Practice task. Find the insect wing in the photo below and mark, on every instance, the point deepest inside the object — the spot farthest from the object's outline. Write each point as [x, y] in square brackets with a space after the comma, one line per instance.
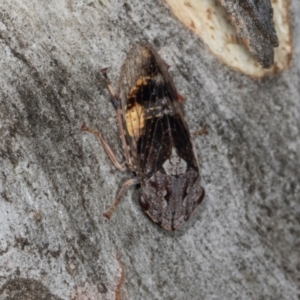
[153, 116]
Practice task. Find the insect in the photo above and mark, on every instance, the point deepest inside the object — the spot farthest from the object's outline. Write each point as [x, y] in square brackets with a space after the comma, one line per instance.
[253, 20]
[156, 140]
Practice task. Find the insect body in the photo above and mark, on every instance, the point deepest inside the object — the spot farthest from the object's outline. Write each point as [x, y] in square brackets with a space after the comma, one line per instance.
[156, 140]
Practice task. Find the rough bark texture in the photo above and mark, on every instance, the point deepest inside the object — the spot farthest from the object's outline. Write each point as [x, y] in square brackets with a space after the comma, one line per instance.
[56, 182]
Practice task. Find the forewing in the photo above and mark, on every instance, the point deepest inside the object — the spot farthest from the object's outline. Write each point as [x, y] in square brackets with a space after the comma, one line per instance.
[153, 116]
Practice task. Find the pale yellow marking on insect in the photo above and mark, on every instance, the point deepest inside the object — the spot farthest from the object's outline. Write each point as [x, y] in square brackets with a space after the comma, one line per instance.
[142, 81]
[175, 165]
[135, 120]
[146, 53]
[135, 116]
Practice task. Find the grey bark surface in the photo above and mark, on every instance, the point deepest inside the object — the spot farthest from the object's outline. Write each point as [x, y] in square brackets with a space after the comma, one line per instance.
[56, 181]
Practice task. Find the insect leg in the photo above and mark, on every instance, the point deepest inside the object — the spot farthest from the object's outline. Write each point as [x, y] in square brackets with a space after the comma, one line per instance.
[116, 102]
[122, 279]
[120, 195]
[199, 132]
[120, 166]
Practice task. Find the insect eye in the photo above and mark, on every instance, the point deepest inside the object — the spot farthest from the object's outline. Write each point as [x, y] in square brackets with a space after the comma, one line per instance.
[143, 203]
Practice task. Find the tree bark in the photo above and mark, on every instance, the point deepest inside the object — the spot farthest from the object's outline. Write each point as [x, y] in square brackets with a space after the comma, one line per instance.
[56, 181]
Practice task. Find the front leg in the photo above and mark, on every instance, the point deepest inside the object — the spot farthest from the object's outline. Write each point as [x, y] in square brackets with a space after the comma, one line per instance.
[199, 132]
[120, 195]
[120, 166]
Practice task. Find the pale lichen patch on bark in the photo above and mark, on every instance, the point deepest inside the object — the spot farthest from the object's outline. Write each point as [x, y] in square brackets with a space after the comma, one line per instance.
[210, 20]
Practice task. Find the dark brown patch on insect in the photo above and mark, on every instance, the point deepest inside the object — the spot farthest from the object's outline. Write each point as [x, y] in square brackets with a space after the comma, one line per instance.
[156, 140]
